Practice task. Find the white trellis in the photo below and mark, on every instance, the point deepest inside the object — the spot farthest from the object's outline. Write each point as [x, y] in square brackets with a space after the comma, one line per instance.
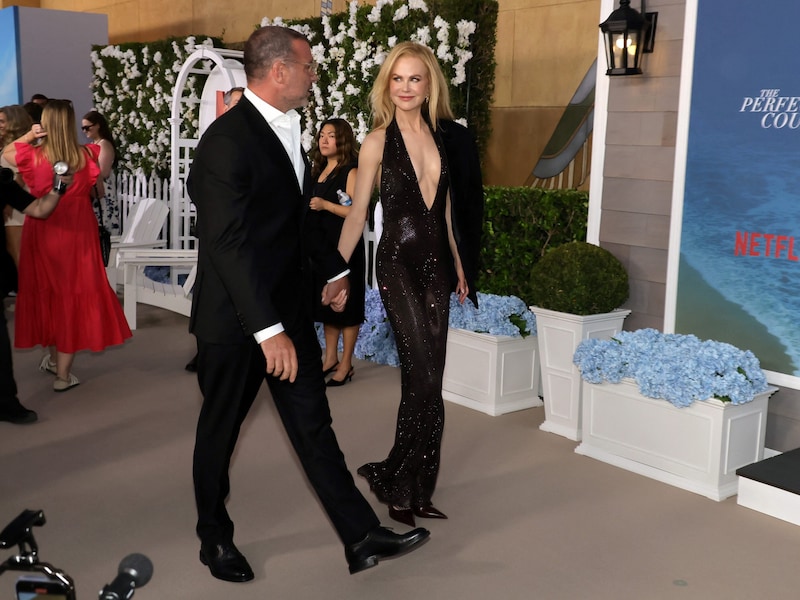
[226, 72]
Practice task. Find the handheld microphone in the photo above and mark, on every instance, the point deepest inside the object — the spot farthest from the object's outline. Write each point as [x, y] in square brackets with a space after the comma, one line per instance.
[135, 570]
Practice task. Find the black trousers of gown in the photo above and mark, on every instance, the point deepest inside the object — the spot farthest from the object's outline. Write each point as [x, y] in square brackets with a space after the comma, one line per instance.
[418, 306]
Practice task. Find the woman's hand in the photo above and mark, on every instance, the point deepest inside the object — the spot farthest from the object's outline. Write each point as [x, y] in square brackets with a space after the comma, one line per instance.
[38, 132]
[318, 203]
[462, 289]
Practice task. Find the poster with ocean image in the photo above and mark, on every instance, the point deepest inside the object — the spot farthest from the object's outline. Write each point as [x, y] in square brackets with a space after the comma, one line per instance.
[739, 272]
[9, 74]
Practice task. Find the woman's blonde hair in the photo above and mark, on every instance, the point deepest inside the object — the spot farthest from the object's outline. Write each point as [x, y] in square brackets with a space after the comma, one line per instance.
[438, 104]
[61, 142]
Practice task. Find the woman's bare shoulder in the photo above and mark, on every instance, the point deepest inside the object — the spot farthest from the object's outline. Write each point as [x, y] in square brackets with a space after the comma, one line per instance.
[373, 144]
[374, 137]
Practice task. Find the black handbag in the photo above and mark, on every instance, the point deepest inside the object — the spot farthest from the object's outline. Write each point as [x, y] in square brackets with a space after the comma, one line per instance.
[104, 234]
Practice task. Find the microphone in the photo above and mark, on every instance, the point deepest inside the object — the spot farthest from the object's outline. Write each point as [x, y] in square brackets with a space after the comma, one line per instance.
[135, 570]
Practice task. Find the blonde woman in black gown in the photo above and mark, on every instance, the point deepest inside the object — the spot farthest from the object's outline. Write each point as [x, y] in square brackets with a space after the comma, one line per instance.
[418, 263]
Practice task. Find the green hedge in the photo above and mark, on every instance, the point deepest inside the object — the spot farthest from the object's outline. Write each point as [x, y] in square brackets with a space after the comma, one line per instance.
[520, 225]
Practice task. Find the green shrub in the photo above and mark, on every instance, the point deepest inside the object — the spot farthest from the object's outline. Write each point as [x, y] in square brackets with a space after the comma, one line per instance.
[579, 278]
[520, 225]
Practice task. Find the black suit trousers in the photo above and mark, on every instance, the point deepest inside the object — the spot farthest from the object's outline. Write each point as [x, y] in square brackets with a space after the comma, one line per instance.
[230, 376]
[8, 387]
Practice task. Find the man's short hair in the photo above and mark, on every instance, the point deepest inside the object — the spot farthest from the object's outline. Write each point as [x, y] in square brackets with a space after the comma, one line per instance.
[266, 45]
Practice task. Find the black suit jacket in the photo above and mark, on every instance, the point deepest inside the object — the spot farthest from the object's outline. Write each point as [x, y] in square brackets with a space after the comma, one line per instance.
[466, 197]
[13, 195]
[250, 223]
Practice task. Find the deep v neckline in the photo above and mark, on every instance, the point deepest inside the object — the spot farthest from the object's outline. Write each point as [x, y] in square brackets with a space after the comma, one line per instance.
[414, 172]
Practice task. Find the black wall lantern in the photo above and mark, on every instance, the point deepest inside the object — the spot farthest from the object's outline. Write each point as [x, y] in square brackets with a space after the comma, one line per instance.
[627, 35]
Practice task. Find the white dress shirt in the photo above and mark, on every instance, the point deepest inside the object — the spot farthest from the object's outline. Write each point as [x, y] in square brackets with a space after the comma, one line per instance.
[287, 127]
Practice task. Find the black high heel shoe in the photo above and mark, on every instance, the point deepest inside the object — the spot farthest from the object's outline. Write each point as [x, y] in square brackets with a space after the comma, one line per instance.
[330, 370]
[402, 515]
[429, 512]
[336, 383]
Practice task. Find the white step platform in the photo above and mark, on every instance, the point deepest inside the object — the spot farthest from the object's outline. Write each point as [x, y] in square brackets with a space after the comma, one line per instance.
[772, 486]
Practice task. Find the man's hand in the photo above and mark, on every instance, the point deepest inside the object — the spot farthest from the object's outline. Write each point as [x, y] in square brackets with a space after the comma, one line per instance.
[335, 293]
[281, 357]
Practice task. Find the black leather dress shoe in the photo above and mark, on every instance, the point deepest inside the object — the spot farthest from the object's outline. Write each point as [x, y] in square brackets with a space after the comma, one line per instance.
[14, 412]
[429, 512]
[382, 543]
[225, 562]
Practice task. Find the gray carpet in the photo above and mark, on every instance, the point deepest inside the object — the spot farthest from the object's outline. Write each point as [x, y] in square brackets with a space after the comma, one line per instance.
[110, 464]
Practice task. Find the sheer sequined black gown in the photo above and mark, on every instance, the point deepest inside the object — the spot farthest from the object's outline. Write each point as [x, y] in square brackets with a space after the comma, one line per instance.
[413, 275]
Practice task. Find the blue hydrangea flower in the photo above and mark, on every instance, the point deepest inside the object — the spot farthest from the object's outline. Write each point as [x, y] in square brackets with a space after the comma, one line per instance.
[676, 367]
[376, 340]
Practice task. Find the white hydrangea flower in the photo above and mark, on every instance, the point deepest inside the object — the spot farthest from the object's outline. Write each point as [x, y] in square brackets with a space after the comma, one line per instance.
[422, 35]
[307, 139]
[318, 53]
[465, 31]
[418, 5]
[401, 13]
[374, 15]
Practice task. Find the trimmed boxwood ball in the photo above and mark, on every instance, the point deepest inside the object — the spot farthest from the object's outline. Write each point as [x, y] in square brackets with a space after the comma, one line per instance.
[579, 278]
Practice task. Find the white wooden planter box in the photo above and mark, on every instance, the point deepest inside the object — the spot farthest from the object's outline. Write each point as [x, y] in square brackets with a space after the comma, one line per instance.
[697, 448]
[559, 336]
[490, 373]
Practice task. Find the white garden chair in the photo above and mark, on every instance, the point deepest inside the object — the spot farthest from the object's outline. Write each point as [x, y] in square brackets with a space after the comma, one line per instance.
[139, 289]
[142, 229]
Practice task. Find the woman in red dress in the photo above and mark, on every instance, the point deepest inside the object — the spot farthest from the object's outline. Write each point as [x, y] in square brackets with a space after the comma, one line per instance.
[64, 302]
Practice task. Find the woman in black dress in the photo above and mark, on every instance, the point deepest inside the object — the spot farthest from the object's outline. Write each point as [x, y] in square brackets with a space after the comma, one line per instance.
[418, 262]
[334, 160]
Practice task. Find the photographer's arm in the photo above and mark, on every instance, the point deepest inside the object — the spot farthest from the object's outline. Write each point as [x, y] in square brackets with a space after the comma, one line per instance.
[41, 208]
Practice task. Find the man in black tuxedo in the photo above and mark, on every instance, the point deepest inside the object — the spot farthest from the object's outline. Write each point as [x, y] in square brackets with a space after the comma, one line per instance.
[250, 310]
[12, 194]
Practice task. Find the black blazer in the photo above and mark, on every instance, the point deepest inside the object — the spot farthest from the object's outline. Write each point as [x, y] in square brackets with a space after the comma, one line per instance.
[466, 197]
[13, 195]
[250, 223]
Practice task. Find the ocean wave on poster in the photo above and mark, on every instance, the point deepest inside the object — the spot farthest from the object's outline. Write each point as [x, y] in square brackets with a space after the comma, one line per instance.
[763, 287]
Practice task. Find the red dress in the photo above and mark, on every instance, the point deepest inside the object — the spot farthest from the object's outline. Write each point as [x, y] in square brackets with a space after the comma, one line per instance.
[64, 298]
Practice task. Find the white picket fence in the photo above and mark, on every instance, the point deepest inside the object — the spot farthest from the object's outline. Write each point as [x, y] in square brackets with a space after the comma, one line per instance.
[132, 188]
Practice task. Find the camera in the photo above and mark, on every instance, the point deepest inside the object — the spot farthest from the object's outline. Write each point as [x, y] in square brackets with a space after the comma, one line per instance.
[40, 587]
